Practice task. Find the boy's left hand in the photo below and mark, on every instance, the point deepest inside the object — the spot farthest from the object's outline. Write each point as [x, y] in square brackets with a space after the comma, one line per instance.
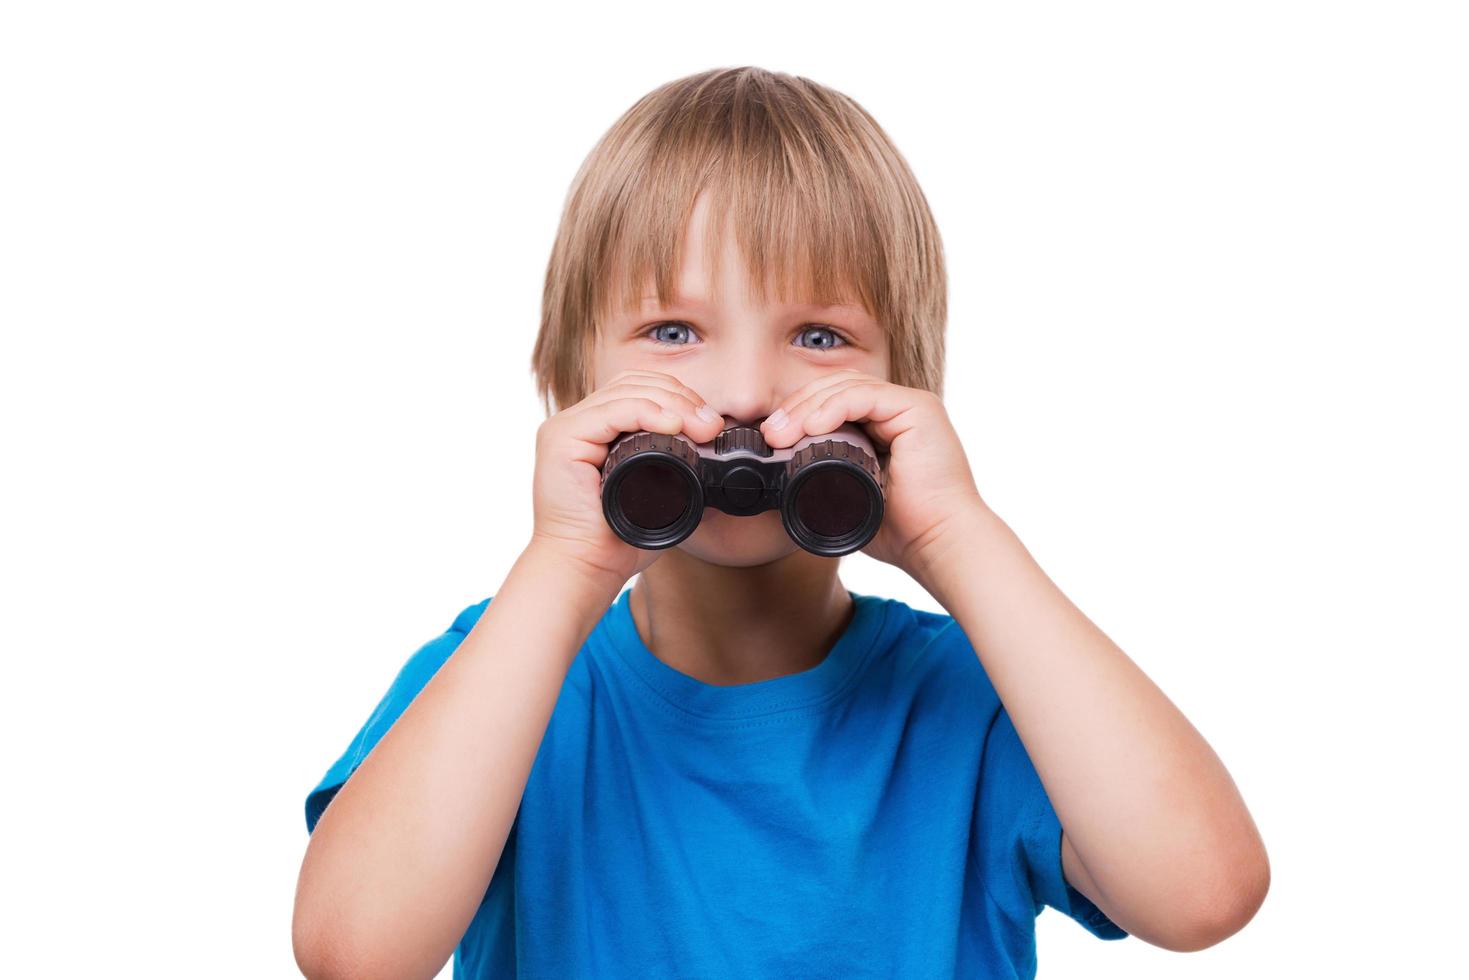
[929, 489]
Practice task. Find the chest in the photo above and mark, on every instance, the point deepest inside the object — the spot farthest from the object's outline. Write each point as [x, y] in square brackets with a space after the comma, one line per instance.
[822, 809]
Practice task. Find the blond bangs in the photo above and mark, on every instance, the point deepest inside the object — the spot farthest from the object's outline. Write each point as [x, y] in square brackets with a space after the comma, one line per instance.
[824, 210]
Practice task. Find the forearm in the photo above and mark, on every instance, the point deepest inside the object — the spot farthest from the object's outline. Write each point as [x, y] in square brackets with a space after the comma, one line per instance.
[401, 858]
[1152, 813]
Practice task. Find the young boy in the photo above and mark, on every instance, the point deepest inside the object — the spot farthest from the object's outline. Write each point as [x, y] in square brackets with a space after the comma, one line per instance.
[737, 767]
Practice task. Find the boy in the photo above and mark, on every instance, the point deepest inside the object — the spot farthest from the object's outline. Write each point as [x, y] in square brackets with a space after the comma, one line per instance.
[737, 767]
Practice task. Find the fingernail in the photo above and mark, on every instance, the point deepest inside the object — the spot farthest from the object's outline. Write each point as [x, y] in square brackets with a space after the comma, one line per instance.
[708, 414]
[778, 420]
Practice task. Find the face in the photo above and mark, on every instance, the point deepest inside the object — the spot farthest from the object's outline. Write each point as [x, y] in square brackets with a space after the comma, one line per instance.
[742, 358]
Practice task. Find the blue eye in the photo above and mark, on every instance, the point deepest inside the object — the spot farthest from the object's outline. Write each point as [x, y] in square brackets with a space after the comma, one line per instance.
[674, 326]
[674, 333]
[832, 338]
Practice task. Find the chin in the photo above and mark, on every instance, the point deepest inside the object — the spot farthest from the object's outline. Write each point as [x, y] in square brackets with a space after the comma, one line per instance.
[721, 539]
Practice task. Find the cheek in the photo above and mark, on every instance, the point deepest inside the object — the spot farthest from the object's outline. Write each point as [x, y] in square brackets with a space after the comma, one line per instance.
[608, 362]
[880, 365]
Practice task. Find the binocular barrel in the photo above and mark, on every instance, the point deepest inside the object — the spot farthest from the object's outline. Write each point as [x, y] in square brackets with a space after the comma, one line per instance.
[828, 488]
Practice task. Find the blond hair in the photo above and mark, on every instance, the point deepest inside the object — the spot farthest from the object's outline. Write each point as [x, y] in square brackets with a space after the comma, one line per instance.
[819, 194]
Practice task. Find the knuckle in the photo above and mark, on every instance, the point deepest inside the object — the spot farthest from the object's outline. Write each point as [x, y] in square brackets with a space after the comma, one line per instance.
[548, 432]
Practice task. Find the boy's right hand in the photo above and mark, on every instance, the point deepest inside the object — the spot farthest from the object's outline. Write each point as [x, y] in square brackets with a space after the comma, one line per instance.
[571, 447]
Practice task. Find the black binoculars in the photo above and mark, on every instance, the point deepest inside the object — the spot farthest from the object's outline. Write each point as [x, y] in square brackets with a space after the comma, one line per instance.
[828, 488]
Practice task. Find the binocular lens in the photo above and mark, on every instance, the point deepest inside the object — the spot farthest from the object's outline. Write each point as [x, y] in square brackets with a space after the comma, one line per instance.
[653, 495]
[833, 501]
[656, 486]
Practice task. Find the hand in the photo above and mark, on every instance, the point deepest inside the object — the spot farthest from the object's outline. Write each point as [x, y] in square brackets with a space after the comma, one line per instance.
[571, 447]
[928, 484]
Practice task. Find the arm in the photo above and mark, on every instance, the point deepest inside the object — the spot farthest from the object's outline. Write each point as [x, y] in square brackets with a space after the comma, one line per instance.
[400, 860]
[1155, 831]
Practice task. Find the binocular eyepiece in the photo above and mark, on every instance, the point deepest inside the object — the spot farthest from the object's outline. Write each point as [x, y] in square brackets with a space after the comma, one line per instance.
[828, 488]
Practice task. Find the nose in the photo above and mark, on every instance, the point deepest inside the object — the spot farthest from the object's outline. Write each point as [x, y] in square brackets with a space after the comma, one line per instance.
[752, 421]
[745, 389]
[741, 412]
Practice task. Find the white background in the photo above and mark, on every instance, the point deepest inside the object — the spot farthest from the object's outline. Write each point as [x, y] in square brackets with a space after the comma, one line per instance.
[270, 276]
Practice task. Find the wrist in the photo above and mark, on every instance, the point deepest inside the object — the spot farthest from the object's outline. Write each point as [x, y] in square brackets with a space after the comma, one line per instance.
[953, 547]
[545, 588]
[570, 570]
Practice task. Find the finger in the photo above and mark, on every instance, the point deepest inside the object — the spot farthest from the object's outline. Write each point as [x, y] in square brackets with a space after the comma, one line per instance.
[817, 383]
[644, 388]
[658, 377]
[704, 427]
[593, 430]
[805, 406]
[789, 430]
[885, 411]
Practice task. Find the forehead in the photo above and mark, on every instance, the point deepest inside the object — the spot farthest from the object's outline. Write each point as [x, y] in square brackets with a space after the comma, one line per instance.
[712, 270]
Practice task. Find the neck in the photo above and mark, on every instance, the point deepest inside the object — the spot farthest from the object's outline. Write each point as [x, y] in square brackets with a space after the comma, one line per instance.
[728, 625]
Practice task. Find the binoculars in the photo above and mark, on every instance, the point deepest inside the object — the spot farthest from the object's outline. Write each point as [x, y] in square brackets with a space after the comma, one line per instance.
[828, 488]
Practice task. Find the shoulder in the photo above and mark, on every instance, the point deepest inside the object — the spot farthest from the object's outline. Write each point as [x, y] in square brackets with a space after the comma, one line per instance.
[411, 678]
[464, 622]
[929, 638]
[932, 650]
[424, 662]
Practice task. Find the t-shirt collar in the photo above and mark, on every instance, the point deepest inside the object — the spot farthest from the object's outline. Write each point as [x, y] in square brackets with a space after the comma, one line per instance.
[777, 695]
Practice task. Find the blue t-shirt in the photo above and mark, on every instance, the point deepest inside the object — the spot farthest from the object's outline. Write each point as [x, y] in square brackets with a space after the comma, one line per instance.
[874, 816]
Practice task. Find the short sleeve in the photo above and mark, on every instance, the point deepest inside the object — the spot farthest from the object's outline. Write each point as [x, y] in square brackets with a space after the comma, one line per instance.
[1026, 833]
[420, 668]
